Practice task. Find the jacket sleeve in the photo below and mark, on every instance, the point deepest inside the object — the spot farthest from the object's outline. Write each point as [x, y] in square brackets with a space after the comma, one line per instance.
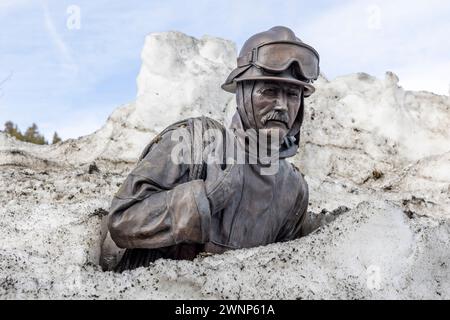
[156, 206]
[294, 226]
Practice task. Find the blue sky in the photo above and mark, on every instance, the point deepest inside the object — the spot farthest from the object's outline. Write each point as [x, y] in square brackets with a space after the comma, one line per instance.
[70, 80]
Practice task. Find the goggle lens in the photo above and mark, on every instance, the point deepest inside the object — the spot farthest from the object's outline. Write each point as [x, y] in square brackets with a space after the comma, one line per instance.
[279, 56]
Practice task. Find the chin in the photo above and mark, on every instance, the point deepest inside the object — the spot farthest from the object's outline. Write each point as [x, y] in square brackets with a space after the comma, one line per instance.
[272, 125]
[276, 127]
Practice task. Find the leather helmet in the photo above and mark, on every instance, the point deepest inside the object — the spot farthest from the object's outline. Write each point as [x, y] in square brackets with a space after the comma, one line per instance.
[277, 55]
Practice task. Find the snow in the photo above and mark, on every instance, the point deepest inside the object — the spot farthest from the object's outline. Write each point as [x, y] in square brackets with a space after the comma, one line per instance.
[367, 145]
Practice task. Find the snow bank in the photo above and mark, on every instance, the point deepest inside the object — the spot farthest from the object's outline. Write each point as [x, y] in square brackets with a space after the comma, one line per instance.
[374, 155]
[50, 234]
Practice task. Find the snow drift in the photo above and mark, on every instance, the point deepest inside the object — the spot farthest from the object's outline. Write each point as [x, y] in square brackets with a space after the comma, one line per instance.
[376, 158]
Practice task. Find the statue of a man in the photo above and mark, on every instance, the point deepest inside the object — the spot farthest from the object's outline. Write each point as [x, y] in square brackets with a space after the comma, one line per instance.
[176, 210]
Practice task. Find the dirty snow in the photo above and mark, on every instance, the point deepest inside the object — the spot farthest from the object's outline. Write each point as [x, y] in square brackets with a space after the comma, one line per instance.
[376, 158]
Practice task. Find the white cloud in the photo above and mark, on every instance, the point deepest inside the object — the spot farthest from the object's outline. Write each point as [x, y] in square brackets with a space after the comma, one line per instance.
[434, 77]
[61, 46]
[412, 41]
[75, 123]
[75, 127]
[7, 5]
[54, 67]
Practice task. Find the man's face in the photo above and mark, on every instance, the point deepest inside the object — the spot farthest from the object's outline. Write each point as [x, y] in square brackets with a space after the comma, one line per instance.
[276, 105]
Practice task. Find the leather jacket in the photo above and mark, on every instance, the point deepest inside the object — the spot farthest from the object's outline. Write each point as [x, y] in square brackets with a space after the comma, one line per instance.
[162, 209]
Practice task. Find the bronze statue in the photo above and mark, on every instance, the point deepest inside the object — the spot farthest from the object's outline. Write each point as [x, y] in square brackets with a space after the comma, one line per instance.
[178, 210]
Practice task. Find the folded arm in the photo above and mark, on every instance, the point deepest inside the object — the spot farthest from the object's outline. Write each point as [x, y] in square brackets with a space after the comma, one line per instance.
[156, 205]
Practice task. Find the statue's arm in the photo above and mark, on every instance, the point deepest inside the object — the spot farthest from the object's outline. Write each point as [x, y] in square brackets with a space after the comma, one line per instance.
[154, 208]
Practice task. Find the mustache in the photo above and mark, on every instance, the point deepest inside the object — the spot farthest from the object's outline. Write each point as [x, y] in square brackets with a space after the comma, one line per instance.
[281, 116]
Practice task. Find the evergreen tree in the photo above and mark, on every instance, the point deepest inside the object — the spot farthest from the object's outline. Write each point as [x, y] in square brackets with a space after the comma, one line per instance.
[56, 138]
[13, 130]
[32, 135]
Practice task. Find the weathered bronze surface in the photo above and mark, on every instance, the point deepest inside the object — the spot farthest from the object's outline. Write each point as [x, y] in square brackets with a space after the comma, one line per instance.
[175, 211]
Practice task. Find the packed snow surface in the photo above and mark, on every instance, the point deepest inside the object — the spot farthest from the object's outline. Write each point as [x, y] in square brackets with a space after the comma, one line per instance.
[376, 158]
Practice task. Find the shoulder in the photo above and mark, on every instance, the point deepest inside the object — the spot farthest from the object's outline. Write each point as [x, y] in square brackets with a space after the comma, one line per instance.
[185, 128]
[292, 175]
[160, 163]
[164, 138]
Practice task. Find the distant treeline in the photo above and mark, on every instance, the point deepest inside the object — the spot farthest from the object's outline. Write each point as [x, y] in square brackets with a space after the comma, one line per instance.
[31, 135]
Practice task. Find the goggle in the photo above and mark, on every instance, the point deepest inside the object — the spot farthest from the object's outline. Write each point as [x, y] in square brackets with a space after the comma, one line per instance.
[279, 55]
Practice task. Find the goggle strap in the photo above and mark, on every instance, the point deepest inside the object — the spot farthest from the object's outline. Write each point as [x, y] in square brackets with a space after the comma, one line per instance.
[248, 59]
[254, 55]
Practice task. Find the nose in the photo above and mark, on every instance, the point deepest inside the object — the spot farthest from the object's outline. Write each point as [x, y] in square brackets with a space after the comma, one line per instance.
[281, 103]
[281, 106]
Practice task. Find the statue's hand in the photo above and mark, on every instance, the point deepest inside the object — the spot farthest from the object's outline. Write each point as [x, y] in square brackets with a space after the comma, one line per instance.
[221, 184]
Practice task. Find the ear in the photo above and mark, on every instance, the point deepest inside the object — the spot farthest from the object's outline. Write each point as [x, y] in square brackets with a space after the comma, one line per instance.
[295, 130]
